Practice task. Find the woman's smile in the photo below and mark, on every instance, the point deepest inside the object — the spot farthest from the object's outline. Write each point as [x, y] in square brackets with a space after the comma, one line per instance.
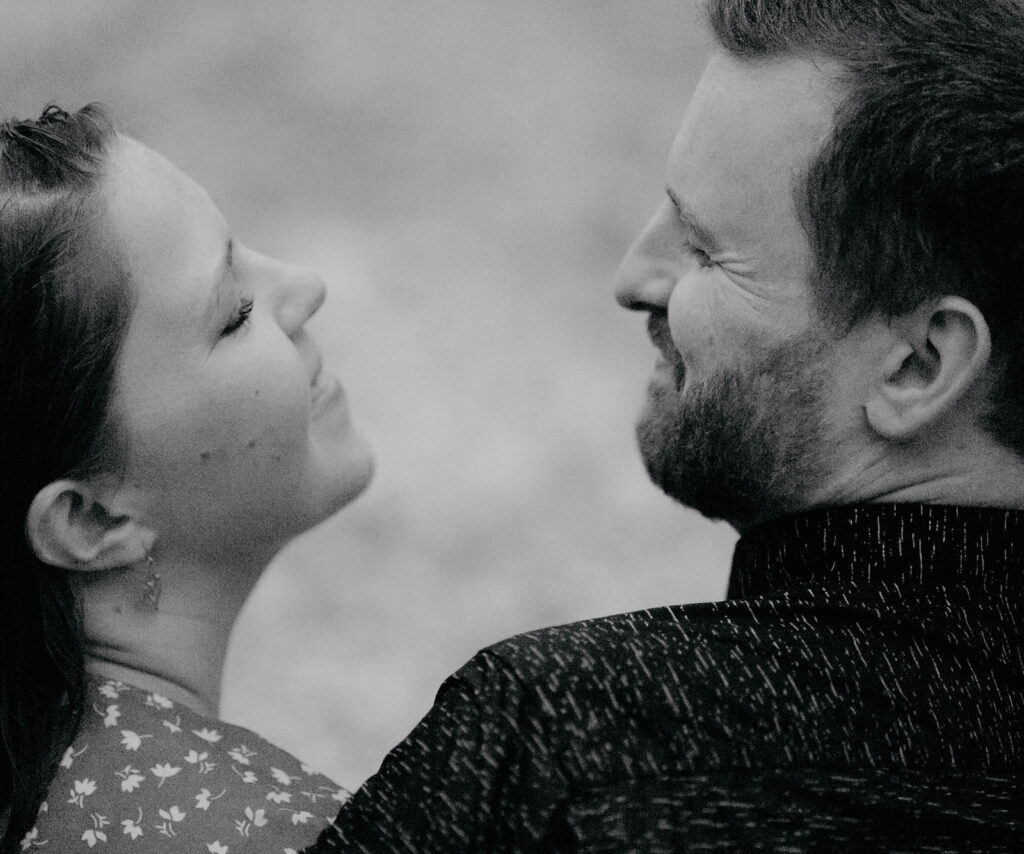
[327, 394]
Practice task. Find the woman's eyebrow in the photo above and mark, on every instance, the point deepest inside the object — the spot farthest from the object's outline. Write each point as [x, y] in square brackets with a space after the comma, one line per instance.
[223, 272]
[703, 234]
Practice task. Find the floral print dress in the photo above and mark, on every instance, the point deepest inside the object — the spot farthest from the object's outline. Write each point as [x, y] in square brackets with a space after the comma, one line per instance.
[147, 774]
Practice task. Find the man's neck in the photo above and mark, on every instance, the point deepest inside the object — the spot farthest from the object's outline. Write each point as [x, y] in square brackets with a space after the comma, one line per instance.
[976, 473]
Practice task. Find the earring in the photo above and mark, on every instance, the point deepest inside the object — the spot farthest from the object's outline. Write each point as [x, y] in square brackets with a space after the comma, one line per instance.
[150, 599]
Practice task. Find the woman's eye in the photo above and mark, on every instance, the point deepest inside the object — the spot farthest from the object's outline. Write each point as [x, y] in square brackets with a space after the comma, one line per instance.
[240, 319]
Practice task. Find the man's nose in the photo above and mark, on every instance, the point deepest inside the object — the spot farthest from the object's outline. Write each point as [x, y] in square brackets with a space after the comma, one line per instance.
[650, 269]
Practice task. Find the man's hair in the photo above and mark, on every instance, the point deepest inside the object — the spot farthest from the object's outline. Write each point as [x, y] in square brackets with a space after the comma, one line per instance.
[919, 191]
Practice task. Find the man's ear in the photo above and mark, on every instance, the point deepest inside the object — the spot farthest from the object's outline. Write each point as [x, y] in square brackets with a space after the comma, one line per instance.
[75, 525]
[939, 353]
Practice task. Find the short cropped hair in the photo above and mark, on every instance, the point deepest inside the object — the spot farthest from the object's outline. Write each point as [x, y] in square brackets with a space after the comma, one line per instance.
[919, 190]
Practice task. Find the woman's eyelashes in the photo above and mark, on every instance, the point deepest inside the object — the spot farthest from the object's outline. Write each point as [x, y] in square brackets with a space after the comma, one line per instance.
[241, 317]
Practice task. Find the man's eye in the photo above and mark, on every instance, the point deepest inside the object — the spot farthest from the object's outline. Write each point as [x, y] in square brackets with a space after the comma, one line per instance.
[240, 319]
[699, 255]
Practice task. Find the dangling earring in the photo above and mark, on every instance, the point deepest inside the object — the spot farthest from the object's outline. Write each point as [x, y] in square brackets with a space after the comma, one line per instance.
[150, 599]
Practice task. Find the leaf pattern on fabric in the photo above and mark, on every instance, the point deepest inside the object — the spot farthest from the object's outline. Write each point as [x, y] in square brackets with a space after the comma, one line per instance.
[148, 774]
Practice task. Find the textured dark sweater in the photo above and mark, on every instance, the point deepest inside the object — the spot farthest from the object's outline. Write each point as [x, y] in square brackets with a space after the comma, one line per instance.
[862, 688]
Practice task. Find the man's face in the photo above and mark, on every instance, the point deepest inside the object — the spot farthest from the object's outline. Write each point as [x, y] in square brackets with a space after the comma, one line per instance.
[736, 421]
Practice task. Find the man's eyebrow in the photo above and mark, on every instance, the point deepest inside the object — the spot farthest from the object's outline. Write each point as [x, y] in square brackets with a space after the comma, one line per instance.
[700, 231]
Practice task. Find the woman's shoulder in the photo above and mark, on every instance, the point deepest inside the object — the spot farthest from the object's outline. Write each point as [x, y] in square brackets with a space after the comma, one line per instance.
[147, 774]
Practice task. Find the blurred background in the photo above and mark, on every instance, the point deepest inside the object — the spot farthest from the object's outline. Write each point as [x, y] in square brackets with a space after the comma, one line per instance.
[465, 174]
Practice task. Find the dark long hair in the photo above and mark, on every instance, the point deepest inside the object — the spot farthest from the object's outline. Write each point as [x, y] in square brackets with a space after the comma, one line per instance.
[64, 309]
[919, 191]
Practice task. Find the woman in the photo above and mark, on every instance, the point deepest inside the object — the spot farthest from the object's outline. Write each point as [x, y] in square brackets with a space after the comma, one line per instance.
[168, 426]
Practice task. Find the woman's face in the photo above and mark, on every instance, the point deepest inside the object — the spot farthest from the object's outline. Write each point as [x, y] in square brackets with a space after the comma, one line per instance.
[237, 436]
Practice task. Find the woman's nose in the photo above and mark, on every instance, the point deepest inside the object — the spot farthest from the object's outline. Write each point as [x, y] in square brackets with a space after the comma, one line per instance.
[650, 268]
[300, 294]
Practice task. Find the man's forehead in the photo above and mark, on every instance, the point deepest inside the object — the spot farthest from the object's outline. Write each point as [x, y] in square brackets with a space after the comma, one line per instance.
[749, 130]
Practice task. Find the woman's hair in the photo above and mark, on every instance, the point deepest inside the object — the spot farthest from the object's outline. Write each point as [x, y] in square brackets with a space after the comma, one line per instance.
[64, 310]
[919, 190]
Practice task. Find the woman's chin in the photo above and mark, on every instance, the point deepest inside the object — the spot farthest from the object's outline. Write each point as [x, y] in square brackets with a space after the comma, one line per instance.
[342, 494]
[356, 473]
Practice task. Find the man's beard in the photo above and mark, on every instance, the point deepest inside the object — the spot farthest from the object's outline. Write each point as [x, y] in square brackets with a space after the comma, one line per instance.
[746, 444]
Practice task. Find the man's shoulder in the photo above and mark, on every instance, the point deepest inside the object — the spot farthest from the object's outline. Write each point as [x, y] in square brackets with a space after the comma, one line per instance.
[683, 688]
[640, 694]
[629, 641]
[659, 669]
[586, 643]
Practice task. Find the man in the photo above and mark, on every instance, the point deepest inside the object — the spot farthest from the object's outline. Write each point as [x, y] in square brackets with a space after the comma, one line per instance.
[836, 285]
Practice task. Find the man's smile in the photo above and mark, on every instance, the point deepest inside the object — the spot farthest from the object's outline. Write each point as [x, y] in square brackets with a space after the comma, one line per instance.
[661, 337]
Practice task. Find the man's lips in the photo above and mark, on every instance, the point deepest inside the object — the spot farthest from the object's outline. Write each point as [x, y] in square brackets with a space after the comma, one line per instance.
[657, 329]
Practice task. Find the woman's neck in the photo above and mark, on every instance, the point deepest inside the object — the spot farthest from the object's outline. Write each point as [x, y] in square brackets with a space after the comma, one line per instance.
[203, 699]
[168, 635]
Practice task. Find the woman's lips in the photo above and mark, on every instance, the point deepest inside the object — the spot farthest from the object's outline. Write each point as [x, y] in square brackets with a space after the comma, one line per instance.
[324, 393]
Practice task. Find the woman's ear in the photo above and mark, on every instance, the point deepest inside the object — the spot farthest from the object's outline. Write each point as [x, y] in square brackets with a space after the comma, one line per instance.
[939, 354]
[73, 524]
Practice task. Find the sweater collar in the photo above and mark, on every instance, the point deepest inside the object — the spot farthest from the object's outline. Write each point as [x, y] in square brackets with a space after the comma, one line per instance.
[880, 546]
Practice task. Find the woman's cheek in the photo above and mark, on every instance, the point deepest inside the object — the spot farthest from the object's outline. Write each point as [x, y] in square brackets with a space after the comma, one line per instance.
[271, 417]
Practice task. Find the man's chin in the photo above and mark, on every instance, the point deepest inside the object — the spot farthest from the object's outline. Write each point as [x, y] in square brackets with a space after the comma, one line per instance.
[743, 445]
[689, 468]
